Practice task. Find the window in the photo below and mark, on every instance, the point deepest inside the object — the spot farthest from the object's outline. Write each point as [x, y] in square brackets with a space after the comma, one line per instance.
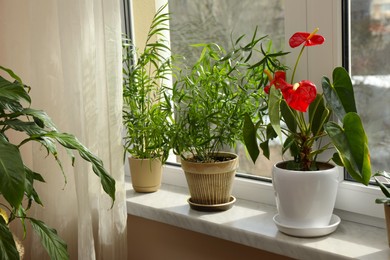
[217, 21]
[370, 68]
[305, 15]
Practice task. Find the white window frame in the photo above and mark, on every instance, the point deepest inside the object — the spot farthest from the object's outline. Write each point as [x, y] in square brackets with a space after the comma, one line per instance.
[354, 201]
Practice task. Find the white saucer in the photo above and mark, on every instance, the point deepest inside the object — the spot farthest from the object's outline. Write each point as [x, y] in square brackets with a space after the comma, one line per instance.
[308, 232]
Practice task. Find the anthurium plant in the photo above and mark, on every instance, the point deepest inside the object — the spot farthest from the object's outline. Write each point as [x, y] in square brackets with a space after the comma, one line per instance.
[308, 122]
[17, 180]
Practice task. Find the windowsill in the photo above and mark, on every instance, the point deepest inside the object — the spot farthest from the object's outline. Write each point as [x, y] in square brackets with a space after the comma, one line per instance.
[250, 223]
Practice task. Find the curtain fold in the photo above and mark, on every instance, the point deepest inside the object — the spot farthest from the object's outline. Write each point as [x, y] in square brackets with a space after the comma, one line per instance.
[69, 52]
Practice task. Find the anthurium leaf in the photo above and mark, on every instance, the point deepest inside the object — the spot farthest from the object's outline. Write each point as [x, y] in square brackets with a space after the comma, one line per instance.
[352, 146]
[265, 148]
[343, 85]
[54, 245]
[274, 110]
[12, 174]
[250, 138]
[8, 249]
[337, 160]
[288, 116]
[318, 115]
[71, 142]
[340, 94]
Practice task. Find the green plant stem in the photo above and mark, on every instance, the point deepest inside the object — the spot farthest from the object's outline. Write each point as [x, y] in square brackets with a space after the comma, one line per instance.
[296, 63]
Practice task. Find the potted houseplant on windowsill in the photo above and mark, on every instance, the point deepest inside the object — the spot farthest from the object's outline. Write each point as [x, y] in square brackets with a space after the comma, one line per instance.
[147, 111]
[17, 180]
[210, 100]
[382, 179]
[306, 188]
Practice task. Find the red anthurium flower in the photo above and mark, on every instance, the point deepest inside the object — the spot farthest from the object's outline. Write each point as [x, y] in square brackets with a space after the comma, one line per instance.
[279, 80]
[309, 39]
[300, 95]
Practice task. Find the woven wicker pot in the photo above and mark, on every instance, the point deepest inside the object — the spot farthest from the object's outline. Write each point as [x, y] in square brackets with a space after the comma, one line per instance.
[145, 174]
[211, 183]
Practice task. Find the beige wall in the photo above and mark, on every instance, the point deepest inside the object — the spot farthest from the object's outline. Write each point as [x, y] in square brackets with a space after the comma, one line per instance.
[150, 240]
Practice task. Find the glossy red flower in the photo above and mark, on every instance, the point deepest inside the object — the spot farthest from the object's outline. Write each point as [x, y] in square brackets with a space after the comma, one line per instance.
[300, 95]
[279, 80]
[310, 39]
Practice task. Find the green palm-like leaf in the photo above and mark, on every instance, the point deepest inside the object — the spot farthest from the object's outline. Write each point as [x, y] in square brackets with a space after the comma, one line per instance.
[352, 146]
[54, 245]
[12, 176]
[8, 249]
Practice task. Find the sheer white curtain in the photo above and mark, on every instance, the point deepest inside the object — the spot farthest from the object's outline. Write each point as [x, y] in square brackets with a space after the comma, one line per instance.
[69, 52]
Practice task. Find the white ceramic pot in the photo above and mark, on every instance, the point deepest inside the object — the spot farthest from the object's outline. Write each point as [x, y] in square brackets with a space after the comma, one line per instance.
[305, 199]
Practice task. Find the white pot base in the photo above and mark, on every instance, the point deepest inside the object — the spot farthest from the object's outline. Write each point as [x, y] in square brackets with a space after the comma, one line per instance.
[308, 232]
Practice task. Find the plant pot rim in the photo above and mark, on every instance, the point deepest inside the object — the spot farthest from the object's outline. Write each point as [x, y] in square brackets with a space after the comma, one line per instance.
[326, 166]
[140, 159]
[230, 155]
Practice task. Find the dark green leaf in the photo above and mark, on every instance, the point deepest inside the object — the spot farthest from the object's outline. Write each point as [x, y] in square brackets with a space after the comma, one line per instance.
[54, 245]
[13, 91]
[8, 250]
[340, 94]
[265, 148]
[12, 174]
[274, 110]
[250, 138]
[288, 116]
[352, 146]
[71, 142]
[318, 115]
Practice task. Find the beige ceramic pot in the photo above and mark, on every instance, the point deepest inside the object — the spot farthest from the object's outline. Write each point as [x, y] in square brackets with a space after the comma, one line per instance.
[145, 174]
[211, 183]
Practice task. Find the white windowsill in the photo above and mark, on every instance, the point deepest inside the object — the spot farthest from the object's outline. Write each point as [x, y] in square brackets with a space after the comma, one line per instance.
[250, 223]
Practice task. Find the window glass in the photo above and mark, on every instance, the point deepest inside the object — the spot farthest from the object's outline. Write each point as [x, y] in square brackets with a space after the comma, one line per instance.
[221, 22]
[370, 67]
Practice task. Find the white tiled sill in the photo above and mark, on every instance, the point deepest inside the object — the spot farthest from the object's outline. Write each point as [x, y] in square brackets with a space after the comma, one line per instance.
[250, 223]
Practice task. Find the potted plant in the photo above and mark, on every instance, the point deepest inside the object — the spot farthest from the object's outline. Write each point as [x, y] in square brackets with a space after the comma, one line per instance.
[147, 111]
[210, 99]
[17, 180]
[306, 187]
[382, 179]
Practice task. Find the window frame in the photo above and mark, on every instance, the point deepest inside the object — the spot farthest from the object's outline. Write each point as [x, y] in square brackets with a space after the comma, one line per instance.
[354, 201]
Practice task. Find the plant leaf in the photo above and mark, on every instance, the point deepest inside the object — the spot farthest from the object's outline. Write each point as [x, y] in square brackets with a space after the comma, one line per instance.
[71, 142]
[12, 176]
[274, 110]
[250, 138]
[8, 249]
[352, 148]
[340, 95]
[54, 245]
